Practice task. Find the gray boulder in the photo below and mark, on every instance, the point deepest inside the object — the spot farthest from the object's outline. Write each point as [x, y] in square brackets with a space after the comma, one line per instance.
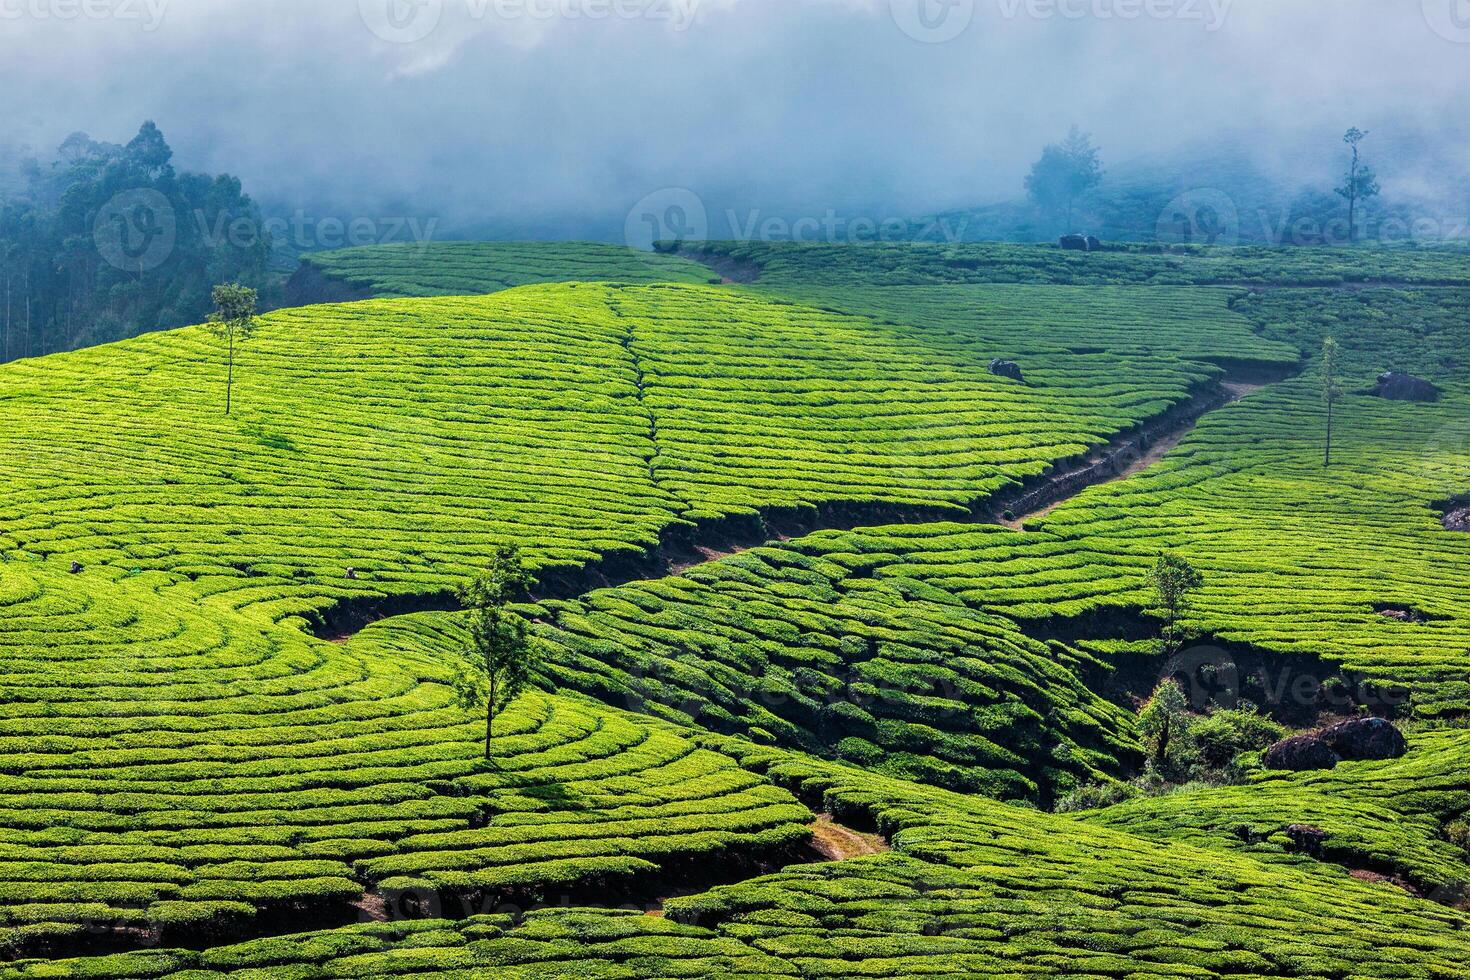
[1299, 754]
[1399, 387]
[1365, 738]
[1006, 369]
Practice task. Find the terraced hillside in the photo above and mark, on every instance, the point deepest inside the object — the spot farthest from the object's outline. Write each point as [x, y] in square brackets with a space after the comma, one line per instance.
[174, 771]
[183, 763]
[808, 651]
[973, 888]
[472, 268]
[778, 265]
[1378, 818]
[405, 439]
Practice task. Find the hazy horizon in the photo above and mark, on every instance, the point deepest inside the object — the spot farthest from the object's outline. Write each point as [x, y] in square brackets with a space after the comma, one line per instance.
[510, 116]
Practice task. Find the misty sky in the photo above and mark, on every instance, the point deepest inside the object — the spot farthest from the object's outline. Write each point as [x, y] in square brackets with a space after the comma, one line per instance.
[502, 114]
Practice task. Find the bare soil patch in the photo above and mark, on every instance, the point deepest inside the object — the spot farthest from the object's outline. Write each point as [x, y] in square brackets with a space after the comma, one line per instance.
[838, 843]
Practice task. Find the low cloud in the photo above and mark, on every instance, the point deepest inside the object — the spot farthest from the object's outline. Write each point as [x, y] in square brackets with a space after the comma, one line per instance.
[553, 117]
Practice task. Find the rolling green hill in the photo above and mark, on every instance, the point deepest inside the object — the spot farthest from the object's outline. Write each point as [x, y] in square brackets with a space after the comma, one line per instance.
[465, 268]
[199, 743]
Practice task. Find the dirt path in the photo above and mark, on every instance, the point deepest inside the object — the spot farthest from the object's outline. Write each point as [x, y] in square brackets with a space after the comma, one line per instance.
[838, 843]
[372, 906]
[1121, 461]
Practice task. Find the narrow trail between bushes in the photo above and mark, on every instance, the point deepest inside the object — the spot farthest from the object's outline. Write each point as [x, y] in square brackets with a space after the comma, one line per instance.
[685, 546]
[838, 843]
[1120, 461]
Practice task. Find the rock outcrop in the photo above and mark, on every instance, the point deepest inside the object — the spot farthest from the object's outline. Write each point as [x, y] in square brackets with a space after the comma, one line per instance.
[1300, 753]
[1399, 387]
[1006, 369]
[1365, 738]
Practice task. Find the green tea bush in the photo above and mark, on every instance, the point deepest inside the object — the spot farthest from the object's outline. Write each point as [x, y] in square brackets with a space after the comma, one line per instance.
[472, 268]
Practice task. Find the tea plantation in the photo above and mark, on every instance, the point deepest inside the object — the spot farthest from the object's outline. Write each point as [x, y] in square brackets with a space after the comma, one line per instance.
[973, 888]
[464, 268]
[778, 264]
[771, 587]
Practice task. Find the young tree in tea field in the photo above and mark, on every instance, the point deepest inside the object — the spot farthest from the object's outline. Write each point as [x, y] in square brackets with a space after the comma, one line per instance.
[1171, 580]
[233, 321]
[1331, 390]
[497, 666]
[1162, 722]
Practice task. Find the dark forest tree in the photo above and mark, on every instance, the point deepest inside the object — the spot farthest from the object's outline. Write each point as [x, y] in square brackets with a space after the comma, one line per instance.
[1065, 172]
[108, 241]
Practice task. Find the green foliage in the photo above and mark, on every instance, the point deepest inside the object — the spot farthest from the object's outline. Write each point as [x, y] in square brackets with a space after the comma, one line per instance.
[1223, 735]
[233, 322]
[791, 266]
[497, 665]
[1065, 172]
[1396, 817]
[69, 241]
[1185, 746]
[470, 268]
[1171, 582]
[1163, 725]
[1360, 183]
[1331, 390]
[233, 317]
[175, 750]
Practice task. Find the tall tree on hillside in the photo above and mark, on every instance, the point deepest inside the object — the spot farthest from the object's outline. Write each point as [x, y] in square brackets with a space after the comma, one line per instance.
[1065, 172]
[1171, 580]
[1331, 390]
[1361, 182]
[497, 666]
[233, 322]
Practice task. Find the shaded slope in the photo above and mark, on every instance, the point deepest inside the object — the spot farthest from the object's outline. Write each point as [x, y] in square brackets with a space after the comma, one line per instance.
[973, 888]
[473, 268]
[1384, 817]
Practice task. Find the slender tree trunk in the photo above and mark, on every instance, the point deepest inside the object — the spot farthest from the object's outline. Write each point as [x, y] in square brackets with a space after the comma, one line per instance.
[1327, 458]
[230, 374]
[489, 717]
[1353, 199]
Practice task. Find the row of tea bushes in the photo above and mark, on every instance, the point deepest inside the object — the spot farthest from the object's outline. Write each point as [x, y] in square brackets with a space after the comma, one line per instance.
[472, 268]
